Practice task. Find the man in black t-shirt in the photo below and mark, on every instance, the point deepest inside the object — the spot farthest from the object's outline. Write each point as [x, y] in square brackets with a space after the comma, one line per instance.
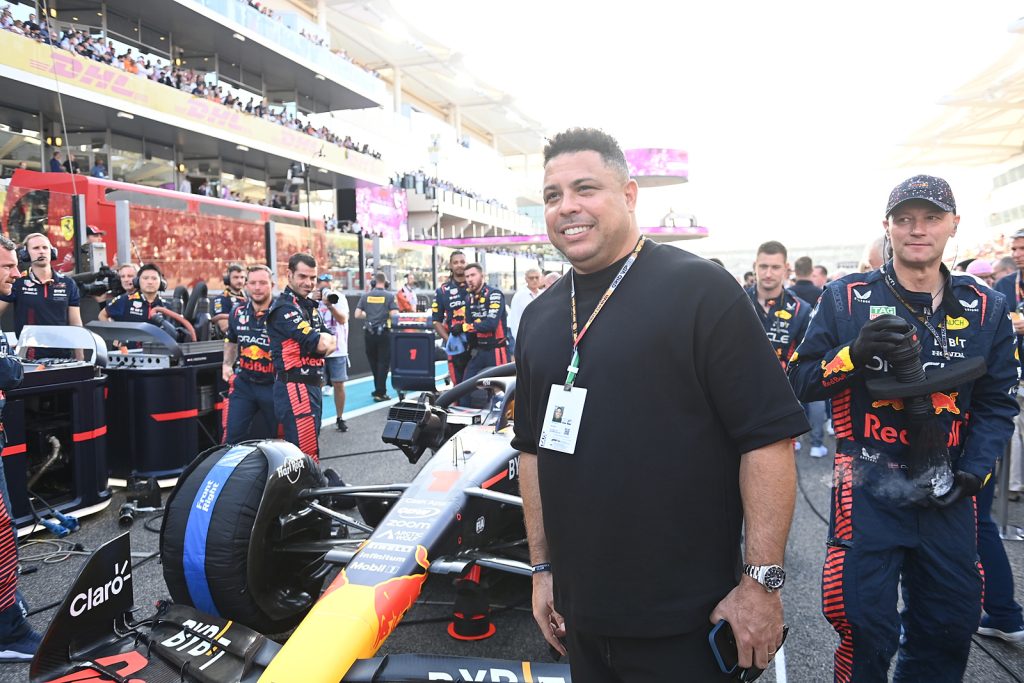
[678, 410]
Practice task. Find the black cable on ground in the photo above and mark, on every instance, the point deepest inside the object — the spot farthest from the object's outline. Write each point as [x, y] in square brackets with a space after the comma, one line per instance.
[349, 455]
[149, 521]
[976, 641]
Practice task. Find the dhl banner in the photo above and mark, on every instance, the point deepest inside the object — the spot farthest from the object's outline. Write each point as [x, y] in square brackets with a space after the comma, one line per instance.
[143, 97]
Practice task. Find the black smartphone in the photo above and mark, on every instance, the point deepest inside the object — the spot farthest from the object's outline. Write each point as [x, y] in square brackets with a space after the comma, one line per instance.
[723, 647]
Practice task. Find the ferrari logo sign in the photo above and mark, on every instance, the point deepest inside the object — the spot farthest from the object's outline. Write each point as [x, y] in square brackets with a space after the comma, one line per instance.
[67, 227]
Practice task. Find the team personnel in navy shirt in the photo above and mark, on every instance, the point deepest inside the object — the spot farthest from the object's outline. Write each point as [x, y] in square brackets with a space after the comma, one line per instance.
[41, 296]
[298, 345]
[449, 309]
[18, 642]
[139, 306]
[232, 296]
[247, 367]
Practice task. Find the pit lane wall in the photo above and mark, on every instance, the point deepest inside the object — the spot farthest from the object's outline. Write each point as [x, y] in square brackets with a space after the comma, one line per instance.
[30, 62]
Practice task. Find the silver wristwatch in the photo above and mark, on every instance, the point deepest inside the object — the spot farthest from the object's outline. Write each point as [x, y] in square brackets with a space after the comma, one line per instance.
[770, 576]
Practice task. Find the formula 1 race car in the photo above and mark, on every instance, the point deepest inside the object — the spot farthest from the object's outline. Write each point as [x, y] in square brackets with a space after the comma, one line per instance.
[251, 533]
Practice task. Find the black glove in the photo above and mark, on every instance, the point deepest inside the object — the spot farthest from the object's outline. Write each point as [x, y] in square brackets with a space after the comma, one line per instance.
[879, 337]
[456, 329]
[965, 485]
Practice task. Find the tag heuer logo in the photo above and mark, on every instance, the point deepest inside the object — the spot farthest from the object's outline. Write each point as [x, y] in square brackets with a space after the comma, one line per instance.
[881, 310]
[866, 296]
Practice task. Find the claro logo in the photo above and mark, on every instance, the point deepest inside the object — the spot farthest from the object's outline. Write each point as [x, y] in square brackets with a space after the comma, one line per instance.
[94, 597]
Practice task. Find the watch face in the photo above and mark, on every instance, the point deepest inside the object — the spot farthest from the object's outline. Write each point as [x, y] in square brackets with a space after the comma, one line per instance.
[774, 578]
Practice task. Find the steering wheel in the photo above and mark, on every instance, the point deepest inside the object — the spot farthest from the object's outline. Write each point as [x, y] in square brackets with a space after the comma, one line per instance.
[499, 377]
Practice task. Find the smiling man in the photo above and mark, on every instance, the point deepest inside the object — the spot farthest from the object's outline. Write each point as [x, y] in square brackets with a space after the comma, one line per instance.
[669, 399]
[892, 525]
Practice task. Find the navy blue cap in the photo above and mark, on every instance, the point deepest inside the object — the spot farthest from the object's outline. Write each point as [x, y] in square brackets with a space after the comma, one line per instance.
[926, 187]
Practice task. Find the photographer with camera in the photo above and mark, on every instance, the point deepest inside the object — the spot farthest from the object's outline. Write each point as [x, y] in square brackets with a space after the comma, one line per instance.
[334, 313]
[908, 463]
[377, 307]
[41, 296]
[105, 284]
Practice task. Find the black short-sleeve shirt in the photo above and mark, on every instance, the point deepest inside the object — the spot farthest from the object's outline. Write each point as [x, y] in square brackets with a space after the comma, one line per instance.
[643, 521]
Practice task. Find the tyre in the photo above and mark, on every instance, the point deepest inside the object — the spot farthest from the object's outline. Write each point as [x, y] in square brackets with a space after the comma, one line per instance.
[228, 520]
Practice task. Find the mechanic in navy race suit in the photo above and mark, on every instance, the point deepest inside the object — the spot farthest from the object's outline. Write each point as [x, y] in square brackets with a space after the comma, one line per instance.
[486, 323]
[783, 315]
[232, 296]
[298, 345]
[18, 641]
[687, 420]
[449, 309]
[247, 365]
[883, 530]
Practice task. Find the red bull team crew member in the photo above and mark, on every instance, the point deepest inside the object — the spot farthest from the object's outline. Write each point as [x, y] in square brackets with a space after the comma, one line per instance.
[486, 323]
[663, 427]
[247, 366]
[882, 531]
[18, 642]
[783, 315]
[449, 309]
[232, 296]
[377, 308]
[41, 296]
[298, 346]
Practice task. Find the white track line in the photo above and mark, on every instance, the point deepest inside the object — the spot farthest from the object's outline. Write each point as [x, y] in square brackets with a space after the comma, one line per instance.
[780, 665]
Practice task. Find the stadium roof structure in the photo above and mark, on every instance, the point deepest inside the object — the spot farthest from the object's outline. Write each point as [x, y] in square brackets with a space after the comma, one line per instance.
[432, 77]
[984, 119]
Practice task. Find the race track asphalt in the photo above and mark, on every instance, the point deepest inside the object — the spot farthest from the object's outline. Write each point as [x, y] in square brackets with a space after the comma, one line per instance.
[807, 653]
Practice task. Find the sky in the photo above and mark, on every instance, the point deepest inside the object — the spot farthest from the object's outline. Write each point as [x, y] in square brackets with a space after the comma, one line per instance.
[791, 111]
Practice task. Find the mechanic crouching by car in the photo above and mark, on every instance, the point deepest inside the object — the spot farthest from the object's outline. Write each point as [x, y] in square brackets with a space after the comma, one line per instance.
[486, 327]
[673, 404]
[247, 366]
[907, 466]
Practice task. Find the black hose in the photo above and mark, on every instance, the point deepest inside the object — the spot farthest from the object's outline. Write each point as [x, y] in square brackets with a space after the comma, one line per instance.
[976, 641]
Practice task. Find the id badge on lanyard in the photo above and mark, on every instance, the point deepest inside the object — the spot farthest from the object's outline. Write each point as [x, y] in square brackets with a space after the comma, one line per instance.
[564, 412]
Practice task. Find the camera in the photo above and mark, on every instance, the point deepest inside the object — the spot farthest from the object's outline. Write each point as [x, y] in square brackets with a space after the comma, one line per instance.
[332, 298]
[100, 282]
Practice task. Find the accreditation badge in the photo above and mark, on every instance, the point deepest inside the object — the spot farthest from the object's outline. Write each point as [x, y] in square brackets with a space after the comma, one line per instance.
[562, 418]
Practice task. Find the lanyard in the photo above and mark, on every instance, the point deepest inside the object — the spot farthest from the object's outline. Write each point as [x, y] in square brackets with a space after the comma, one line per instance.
[577, 335]
[939, 335]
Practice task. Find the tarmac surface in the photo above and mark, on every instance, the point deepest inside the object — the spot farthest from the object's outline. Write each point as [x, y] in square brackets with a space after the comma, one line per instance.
[806, 657]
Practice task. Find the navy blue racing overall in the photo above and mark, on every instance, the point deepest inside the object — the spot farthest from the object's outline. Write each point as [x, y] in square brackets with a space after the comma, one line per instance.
[878, 538]
[784, 321]
[252, 386]
[449, 309]
[294, 327]
[12, 612]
